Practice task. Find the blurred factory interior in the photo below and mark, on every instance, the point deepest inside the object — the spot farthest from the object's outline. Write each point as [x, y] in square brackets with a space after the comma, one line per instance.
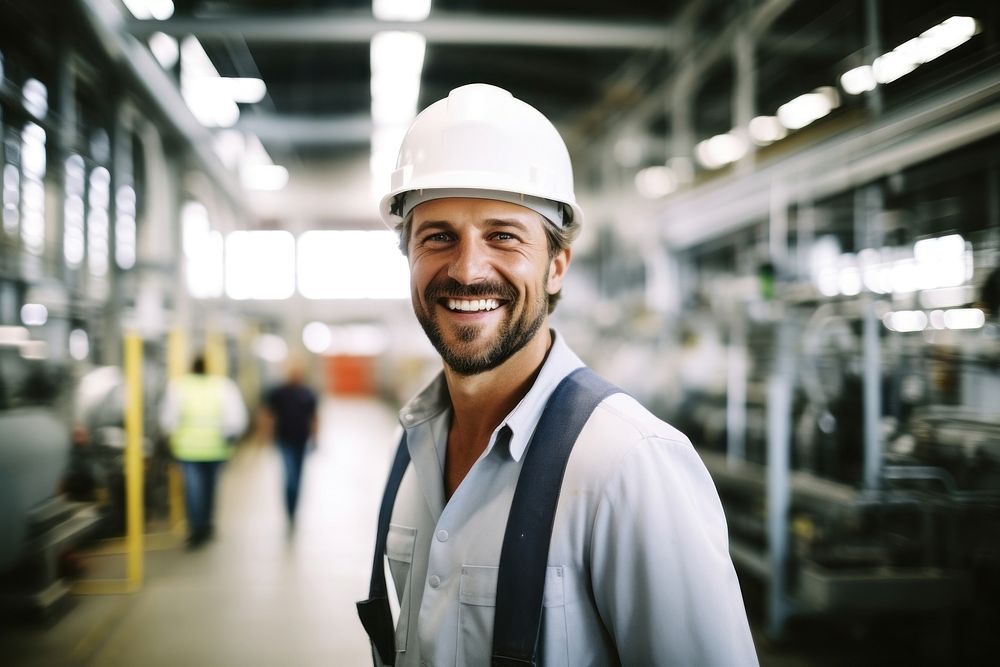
[791, 252]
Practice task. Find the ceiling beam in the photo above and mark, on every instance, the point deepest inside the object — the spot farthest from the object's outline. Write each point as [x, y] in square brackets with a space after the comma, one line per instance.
[440, 28]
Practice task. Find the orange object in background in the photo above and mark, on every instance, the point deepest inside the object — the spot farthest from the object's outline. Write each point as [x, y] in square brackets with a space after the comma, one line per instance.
[350, 375]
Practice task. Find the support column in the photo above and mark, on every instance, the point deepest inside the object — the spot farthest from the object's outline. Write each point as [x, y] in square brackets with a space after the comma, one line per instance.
[868, 205]
[744, 95]
[135, 513]
[779, 419]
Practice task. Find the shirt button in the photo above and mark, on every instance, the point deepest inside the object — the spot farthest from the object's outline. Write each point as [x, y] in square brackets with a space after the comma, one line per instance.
[442, 535]
[434, 581]
[408, 417]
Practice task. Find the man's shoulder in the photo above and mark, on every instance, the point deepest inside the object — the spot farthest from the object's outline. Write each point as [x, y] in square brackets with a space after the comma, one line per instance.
[618, 427]
[631, 420]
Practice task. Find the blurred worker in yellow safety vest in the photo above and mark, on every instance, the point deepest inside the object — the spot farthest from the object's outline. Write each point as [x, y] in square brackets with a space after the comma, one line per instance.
[203, 415]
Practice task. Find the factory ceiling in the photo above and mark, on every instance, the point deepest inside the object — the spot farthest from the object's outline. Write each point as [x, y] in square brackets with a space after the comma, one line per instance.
[663, 74]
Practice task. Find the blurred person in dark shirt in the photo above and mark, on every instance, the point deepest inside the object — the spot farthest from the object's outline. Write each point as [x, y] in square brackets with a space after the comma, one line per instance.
[293, 408]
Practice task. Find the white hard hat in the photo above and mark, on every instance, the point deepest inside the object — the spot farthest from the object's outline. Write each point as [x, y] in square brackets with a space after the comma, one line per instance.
[483, 141]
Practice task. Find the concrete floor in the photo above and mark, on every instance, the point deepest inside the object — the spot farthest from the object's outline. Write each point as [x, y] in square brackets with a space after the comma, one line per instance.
[259, 595]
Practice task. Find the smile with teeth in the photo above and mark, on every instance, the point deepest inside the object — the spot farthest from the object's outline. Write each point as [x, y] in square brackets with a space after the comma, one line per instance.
[473, 305]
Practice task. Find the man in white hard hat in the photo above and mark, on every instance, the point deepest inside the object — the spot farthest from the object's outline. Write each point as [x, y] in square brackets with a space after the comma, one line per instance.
[637, 570]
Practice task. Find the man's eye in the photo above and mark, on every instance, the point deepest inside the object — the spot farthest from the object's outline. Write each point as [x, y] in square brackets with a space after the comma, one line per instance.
[439, 237]
[504, 236]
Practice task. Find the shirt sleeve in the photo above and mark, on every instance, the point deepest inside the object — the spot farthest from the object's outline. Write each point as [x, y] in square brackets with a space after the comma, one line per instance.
[663, 579]
[234, 412]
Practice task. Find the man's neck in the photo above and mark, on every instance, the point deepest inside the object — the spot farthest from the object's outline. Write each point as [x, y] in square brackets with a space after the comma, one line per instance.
[480, 402]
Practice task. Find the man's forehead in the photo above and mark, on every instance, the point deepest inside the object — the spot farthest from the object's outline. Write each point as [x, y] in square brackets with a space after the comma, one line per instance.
[457, 209]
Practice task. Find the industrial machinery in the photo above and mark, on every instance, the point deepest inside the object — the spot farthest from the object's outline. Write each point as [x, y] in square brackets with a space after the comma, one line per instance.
[38, 523]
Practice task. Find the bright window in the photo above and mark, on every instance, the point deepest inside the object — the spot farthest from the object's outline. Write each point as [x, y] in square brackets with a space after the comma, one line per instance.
[260, 265]
[352, 265]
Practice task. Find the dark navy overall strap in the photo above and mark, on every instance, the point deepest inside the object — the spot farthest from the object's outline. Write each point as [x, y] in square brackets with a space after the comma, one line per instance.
[525, 551]
[374, 612]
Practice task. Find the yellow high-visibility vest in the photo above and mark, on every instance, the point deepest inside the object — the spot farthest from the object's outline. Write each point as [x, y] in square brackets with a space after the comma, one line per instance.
[198, 436]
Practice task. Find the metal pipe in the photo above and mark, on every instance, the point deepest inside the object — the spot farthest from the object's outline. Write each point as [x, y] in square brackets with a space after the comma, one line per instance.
[779, 417]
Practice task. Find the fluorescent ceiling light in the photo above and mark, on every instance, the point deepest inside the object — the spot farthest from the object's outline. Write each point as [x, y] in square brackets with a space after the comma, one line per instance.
[948, 35]
[260, 265]
[352, 264]
[246, 90]
[34, 314]
[931, 44]
[720, 150]
[858, 80]
[150, 9]
[165, 49]
[766, 130]
[893, 65]
[964, 318]
[905, 321]
[804, 110]
[401, 10]
[35, 97]
[266, 177]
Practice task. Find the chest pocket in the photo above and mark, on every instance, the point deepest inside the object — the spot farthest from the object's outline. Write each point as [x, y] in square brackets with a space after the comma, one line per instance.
[477, 596]
[399, 548]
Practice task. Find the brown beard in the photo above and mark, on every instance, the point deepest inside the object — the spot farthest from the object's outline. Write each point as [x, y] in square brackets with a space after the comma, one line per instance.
[511, 337]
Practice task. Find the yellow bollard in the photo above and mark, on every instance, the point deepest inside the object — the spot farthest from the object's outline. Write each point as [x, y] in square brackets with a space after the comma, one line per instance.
[215, 353]
[134, 512]
[134, 477]
[177, 364]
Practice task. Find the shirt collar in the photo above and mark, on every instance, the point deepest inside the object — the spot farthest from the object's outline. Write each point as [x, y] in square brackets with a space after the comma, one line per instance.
[433, 400]
[522, 420]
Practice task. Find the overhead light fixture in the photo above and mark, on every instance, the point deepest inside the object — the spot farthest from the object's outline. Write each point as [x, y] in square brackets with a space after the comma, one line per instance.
[720, 150]
[401, 10]
[964, 318]
[766, 130]
[244, 90]
[351, 264]
[905, 321]
[210, 100]
[34, 314]
[858, 80]
[808, 108]
[165, 49]
[260, 264]
[397, 59]
[930, 44]
[150, 9]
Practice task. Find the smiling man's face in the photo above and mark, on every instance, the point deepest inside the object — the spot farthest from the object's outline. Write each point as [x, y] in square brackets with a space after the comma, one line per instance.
[480, 276]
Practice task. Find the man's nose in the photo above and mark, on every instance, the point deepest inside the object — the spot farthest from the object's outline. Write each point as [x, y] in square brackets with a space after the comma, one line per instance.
[470, 264]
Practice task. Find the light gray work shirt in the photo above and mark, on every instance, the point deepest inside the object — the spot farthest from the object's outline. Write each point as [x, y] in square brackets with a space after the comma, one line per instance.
[638, 571]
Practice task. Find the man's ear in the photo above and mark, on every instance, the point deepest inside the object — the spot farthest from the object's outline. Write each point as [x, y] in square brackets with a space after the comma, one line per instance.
[557, 270]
